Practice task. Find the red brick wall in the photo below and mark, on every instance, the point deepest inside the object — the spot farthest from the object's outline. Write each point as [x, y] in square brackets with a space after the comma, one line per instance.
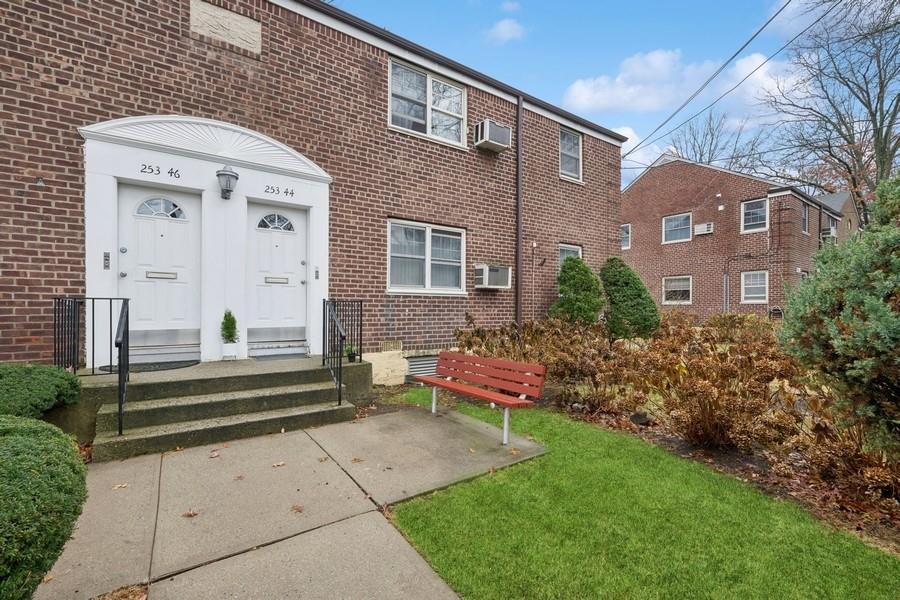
[678, 187]
[321, 92]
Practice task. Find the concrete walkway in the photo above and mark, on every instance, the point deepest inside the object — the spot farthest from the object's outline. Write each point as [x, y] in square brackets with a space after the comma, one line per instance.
[291, 515]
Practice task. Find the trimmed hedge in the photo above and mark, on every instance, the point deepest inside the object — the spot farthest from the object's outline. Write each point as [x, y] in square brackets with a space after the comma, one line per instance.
[632, 312]
[42, 489]
[580, 293]
[31, 390]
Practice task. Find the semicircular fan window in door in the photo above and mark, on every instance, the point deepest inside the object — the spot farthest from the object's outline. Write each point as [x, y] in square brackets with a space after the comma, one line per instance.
[160, 207]
[276, 222]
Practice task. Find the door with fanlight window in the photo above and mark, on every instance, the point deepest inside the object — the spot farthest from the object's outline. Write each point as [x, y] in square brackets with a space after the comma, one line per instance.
[159, 271]
[277, 271]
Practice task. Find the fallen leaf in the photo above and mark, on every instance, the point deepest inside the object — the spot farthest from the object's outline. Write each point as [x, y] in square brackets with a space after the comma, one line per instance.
[190, 514]
[47, 577]
[356, 459]
[238, 477]
[492, 471]
[515, 451]
[472, 450]
[120, 486]
[282, 430]
[278, 464]
[225, 445]
[214, 454]
[297, 508]
[323, 459]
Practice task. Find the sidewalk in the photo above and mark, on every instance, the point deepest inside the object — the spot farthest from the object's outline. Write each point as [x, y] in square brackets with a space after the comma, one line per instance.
[286, 515]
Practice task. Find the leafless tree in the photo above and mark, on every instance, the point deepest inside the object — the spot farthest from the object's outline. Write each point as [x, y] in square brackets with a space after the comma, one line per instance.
[718, 141]
[839, 106]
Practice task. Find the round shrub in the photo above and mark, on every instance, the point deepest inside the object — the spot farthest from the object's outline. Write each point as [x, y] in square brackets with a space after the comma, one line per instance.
[580, 293]
[631, 312]
[31, 390]
[42, 488]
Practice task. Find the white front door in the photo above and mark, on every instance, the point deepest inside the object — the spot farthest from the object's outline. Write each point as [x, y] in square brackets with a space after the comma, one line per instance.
[276, 276]
[159, 266]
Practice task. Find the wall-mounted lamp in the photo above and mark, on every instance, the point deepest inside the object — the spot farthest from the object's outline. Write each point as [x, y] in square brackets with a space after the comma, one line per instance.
[40, 182]
[227, 180]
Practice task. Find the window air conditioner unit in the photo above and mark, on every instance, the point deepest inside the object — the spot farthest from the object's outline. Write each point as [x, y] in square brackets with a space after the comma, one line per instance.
[493, 277]
[829, 234]
[703, 228]
[492, 136]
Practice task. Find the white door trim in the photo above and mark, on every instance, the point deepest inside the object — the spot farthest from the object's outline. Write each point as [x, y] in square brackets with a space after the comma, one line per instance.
[184, 154]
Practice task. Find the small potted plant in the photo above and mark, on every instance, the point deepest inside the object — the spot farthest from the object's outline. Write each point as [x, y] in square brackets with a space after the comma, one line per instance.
[229, 336]
[351, 352]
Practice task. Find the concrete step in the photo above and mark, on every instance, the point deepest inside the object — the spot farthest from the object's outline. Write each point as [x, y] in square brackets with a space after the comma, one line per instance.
[161, 411]
[162, 438]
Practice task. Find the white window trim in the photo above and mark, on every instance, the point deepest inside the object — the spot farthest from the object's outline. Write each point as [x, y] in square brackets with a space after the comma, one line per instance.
[690, 228]
[569, 247]
[427, 290]
[804, 211]
[690, 279]
[743, 285]
[563, 174]
[429, 77]
[766, 228]
[628, 225]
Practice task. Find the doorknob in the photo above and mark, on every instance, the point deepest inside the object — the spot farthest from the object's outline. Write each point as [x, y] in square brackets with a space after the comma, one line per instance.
[123, 274]
[302, 282]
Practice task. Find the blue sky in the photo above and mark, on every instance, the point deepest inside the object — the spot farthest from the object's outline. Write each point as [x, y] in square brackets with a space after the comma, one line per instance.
[625, 65]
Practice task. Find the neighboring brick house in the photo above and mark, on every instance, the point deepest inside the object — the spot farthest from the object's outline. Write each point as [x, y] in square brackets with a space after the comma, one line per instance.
[707, 240]
[358, 178]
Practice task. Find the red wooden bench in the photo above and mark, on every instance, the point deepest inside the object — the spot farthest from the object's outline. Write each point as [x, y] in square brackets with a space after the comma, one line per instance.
[501, 382]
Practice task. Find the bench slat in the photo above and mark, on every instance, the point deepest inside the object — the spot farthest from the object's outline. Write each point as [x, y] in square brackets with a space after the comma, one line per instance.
[514, 376]
[477, 378]
[495, 362]
[467, 390]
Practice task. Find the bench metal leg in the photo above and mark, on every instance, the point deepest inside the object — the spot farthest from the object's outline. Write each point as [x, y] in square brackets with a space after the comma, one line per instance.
[434, 400]
[506, 426]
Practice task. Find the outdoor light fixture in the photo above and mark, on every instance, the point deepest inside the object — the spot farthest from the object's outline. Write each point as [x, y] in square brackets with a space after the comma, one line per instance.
[227, 180]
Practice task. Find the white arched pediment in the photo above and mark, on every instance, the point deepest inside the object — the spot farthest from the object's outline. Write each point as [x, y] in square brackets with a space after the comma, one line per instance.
[206, 139]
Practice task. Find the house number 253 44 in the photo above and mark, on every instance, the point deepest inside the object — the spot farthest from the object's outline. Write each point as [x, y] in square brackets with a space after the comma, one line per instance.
[274, 189]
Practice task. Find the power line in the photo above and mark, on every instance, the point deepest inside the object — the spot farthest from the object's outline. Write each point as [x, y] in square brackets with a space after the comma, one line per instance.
[738, 84]
[713, 76]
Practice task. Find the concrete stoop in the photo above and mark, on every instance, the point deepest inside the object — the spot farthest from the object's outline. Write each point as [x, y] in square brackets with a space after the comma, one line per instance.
[187, 411]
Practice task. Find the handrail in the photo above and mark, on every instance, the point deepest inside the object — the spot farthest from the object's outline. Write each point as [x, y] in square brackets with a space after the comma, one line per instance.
[124, 367]
[341, 336]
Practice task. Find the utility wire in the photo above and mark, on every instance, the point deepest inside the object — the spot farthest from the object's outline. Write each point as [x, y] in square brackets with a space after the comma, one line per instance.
[713, 76]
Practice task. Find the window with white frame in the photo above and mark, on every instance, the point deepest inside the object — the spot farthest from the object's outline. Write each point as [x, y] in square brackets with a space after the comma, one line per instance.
[427, 105]
[755, 287]
[676, 228]
[625, 235]
[755, 215]
[567, 250]
[804, 217]
[570, 154]
[425, 257]
[677, 290]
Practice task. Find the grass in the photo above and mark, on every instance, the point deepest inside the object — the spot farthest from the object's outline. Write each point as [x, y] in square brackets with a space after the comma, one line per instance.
[605, 514]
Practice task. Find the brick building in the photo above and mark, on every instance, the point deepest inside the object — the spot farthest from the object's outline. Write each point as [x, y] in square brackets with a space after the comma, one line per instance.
[357, 172]
[707, 240]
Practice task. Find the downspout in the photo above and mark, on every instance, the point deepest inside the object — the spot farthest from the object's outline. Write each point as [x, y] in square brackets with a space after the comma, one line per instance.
[520, 184]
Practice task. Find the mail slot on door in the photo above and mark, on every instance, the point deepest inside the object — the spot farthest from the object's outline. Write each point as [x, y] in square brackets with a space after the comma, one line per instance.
[161, 275]
[281, 280]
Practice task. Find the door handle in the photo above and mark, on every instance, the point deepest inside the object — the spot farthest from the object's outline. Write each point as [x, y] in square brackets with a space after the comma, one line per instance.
[302, 282]
[122, 274]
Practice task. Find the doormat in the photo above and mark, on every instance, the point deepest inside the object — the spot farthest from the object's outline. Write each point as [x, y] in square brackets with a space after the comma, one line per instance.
[157, 366]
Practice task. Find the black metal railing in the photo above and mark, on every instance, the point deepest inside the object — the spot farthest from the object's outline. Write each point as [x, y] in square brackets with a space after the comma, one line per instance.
[341, 337]
[124, 360]
[73, 349]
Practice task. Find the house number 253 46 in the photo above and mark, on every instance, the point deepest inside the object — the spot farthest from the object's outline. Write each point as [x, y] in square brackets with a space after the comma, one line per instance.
[274, 189]
[157, 170]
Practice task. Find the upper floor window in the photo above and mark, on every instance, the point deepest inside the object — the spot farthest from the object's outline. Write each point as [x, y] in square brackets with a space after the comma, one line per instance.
[804, 217]
[425, 258]
[676, 228]
[832, 222]
[570, 154]
[427, 105]
[625, 235]
[755, 287]
[755, 215]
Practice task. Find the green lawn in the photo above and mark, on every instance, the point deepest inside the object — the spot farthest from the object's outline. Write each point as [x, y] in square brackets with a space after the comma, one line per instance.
[604, 514]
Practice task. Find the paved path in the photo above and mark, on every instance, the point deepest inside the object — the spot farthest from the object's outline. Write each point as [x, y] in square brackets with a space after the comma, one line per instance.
[291, 515]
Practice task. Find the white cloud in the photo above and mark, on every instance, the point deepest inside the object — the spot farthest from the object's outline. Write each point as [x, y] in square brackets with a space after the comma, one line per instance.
[510, 6]
[646, 82]
[645, 155]
[505, 30]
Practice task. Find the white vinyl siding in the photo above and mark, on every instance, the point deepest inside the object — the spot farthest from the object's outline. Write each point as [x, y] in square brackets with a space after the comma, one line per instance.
[570, 154]
[755, 287]
[425, 258]
[755, 215]
[677, 290]
[625, 236]
[427, 105]
[676, 228]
